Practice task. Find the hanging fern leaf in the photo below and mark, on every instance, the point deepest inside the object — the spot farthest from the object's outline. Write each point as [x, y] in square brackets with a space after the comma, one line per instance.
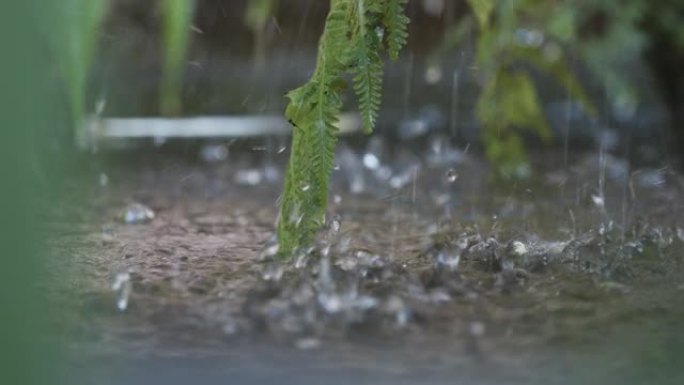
[369, 66]
[349, 45]
[396, 24]
[368, 88]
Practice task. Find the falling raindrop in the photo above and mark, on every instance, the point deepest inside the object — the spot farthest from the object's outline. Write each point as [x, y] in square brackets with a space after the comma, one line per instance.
[249, 177]
[433, 74]
[214, 152]
[122, 285]
[598, 201]
[103, 180]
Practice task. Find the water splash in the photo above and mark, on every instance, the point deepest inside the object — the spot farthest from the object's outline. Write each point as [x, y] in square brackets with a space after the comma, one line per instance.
[270, 249]
[137, 213]
[451, 175]
[272, 271]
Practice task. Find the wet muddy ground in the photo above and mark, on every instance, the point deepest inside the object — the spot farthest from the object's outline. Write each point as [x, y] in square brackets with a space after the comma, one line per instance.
[429, 272]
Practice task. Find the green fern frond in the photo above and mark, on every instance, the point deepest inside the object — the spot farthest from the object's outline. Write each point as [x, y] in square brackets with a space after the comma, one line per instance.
[350, 44]
[368, 89]
[396, 26]
[368, 77]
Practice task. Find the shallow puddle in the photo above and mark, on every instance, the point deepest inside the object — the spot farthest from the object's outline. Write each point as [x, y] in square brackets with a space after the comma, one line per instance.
[428, 272]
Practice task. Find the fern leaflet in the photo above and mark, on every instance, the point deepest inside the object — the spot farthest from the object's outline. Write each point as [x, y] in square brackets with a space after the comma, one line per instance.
[396, 24]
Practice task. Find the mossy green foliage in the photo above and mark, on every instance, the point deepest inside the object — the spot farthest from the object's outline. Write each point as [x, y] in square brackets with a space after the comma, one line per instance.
[515, 37]
[355, 34]
[177, 19]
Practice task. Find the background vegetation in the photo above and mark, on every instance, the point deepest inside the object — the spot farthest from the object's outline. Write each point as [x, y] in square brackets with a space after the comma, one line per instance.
[591, 50]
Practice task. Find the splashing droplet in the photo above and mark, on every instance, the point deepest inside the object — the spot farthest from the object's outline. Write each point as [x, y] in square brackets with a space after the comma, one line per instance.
[308, 343]
[451, 175]
[137, 213]
[272, 271]
[270, 249]
[371, 161]
[448, 260]
[301, 258]
[335, 224]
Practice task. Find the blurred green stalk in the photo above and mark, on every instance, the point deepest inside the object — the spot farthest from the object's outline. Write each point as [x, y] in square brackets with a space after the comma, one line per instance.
[177, 19]
[75, 46]
[257, 15]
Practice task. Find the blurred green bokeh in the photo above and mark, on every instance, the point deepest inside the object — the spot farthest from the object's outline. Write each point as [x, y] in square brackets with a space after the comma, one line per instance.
[24, 109]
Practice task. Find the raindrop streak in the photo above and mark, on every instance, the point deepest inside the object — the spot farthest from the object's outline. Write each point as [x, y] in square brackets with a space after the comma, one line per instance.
[453, 119]
[122, 285]
[408, 82]
[103, 180]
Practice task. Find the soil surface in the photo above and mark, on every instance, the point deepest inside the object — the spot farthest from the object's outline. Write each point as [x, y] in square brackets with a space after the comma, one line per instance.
[429, 272]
